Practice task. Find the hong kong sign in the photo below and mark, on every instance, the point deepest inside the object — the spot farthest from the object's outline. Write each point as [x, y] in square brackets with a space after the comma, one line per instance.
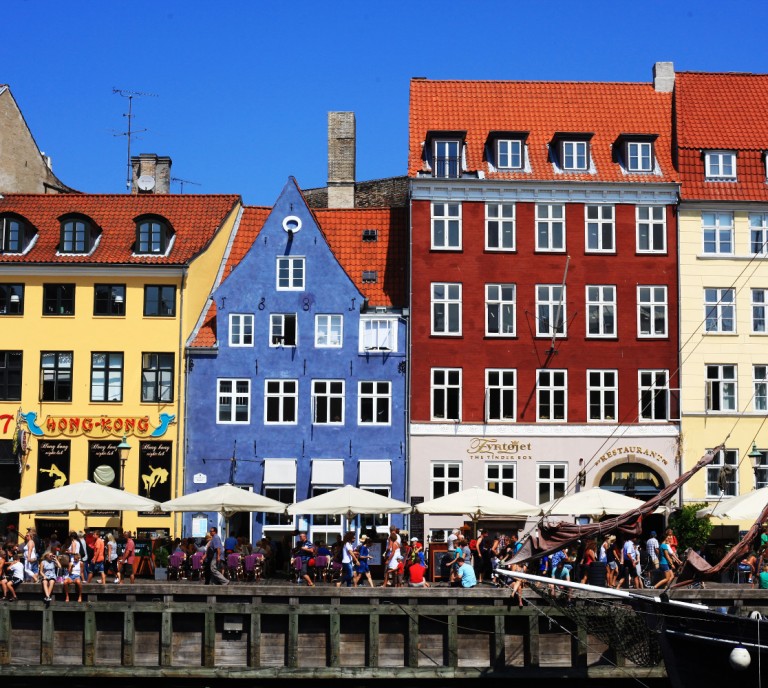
[96, 426]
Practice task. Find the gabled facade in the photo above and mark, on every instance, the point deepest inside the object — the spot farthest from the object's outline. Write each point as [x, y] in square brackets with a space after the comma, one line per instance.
[722, 142]
[544, 288]
[296, 379]
[97, 295]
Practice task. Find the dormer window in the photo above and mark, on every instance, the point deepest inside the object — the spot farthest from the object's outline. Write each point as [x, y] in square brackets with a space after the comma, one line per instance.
[720, 165]
[13, 235]
[152, 236]
[509, 154]
[77, 235]
[571, 151]
[635, 153]
[443, 150]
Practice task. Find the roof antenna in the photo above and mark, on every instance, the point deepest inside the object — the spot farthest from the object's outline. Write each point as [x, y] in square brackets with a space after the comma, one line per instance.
[559, 308]
[184, 181]
[128, 134]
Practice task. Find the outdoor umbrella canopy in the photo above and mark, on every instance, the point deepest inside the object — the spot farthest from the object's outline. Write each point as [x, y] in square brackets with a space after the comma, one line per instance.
[747, 507]
[595, 502]
[3, 500]
[225, 499]
[85, 496]
[476, 502]
[349, 501]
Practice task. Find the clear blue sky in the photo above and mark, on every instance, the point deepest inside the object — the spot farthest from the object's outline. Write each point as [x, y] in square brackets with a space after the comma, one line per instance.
[244, 88]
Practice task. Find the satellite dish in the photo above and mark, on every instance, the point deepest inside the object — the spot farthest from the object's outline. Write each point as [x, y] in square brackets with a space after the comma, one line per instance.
[292, 224]
[104, 475]
[146, 182]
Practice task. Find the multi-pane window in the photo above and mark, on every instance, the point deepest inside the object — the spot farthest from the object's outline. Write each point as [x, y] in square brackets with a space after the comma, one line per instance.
[500, 309]
[509, 154]
[281, 398]
[601, 230]
[601, 310]
[761, 469]
[551, 481]
[651, 229]
[241, 329]
[652, 311]
[285, 494]
[602, 394]
[758, 233]
[446, 225]
[639, 156]
[723, 474]
[720, 165]
[446, 308]
[550, 310]
[550, 227]
[446, 394]
[152, 237]
[717, 229]
[372, 522]
[109, 299]
[11, 299]
[157, 377]
[760, 384]
[501, 478]
[378, 334]
[106, 376]
[720, 310]
[447, 158]
[551, 395]
[11, 235]
[10, 375]
[234, 405]
[575, 155]
[374, 402]
[759, 303]
[56, 376]
[500, 226]
[160, 300]
[500, 395]
[58, 299]
[75, 236]
[282, 329]
[328, 402]
[720, 388]
[446, 478]
[653, 394]
[290, 274]
[328, 331]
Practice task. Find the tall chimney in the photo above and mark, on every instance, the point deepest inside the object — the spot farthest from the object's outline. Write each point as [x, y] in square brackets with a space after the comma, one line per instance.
[341, 159]
[151, 174]
[664, 77]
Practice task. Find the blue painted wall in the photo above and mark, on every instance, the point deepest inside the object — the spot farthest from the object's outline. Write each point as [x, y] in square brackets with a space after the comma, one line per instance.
[251, 288]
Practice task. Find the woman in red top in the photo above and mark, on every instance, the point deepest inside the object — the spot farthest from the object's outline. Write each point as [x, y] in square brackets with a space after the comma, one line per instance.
[590, 556]
[671, 540]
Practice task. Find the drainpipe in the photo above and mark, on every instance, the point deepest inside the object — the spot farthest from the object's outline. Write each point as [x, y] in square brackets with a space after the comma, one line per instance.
[408, 360]
[179, 417]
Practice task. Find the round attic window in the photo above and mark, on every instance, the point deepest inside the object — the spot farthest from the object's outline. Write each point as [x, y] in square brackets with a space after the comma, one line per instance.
[291, 224]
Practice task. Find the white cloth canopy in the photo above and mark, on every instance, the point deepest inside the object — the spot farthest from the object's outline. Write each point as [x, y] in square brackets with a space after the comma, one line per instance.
[224, 499]
[594, 502]
[85, 496]
[349, 501]
[3, 500]
[477, 502]
[746, 507]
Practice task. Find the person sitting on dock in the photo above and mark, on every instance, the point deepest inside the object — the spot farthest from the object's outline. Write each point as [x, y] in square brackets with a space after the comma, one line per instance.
[14, 577]
[74, 575]
[465, 576]
[49, 572]
[762, 579]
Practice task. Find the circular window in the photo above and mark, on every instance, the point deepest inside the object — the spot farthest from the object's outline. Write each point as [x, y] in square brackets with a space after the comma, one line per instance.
[292, 224]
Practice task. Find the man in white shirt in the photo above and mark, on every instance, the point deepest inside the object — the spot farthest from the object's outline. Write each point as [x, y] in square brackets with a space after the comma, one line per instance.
[652, 547]
[452, 540]
[14, 578]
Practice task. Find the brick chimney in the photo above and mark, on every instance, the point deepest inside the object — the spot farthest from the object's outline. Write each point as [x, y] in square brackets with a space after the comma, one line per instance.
[664, 77]
[151, 174]
[341, 159]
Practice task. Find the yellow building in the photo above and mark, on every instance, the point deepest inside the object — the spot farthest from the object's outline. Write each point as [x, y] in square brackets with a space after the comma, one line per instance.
[98, 295]
[723, 231]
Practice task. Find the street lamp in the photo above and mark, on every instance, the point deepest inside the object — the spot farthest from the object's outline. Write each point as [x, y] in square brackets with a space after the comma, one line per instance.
[756, 457]
[123, 449]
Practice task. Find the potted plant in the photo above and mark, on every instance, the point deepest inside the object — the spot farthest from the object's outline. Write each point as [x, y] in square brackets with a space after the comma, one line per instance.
[161, 563]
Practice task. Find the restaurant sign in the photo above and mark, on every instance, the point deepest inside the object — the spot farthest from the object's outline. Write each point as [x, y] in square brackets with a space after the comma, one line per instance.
[486, 448]
[96, 426]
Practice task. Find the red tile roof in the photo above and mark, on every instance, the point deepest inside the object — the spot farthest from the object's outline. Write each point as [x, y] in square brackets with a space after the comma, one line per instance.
[193, 218]
[542, 108]
[722, 111]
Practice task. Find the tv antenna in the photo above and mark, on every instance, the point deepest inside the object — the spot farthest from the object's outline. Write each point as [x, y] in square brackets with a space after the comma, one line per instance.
[184, 181]
[131, 132]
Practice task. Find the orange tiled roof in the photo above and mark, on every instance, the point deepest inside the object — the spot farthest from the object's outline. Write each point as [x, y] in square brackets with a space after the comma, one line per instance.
[722, 111]
[193, 218]
[542, 108]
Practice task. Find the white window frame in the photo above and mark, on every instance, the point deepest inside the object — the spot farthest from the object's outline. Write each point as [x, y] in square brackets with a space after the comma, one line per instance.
[551, 392]
[548, 477]
[720, 165]
[717, 233]
[450, 163]
[324, 331]
[445, 389]
[290, 523]
[506, 475]
[547, 222]
[601, 308]
[500, 224]
[758, 234]
[297, 274]
[241, 328]
[501, 299]
[602, 393]
[446, 480]
[233, 395]
[651, 223]
[653, 299]
[550, 303]
[444, 215]
[661, 392]
[281, 395]
[759, 311]
[595, 216]
[639, 156]
[277, 330]
[722, 457]
[501, 383]
[331, 392]
[510, 144]
[378, 335]
[719, 310]
[760, 388]
[574, 150]
[380, 392]
[450, 305]
[721, 394]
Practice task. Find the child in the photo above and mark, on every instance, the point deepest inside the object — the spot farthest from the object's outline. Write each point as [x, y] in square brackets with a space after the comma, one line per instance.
[14, 577]
[76, 573]
[49, 571]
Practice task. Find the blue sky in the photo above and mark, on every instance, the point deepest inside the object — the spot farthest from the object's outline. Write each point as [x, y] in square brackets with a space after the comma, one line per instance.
[244, 88]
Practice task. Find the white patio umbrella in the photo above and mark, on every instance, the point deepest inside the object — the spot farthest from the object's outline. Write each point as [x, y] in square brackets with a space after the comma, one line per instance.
[225, 499]
[476, 502]
[594, 502]
[3, 500]
[746, 507]
[349, 501]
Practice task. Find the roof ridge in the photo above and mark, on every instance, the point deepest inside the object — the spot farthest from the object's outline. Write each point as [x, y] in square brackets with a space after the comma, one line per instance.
[528, 81]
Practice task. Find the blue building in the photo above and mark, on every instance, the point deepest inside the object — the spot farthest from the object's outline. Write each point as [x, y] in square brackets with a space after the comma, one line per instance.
[296, 380]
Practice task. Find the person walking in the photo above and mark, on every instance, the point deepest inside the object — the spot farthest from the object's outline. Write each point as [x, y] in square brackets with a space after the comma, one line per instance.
[348, 560]
[127, 561]
[96, 565]
[213, 554]
[363, 569]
